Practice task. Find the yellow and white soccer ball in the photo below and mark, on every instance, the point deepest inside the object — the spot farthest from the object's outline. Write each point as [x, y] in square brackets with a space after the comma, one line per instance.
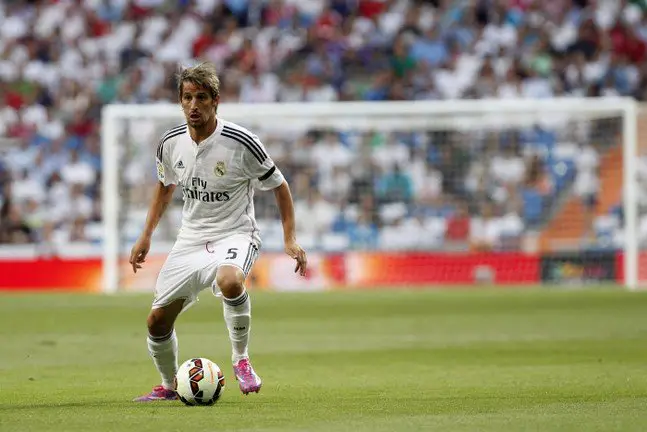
[199, 381]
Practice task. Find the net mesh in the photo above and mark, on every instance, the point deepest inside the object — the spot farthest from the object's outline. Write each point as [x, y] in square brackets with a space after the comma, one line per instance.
[545, 182]
[641, 197]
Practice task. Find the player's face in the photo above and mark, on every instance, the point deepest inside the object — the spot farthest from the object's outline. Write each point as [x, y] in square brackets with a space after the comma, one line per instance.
[198, 104]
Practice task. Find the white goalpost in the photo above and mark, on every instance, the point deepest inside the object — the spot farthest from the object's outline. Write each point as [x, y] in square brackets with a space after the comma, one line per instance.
[474, 146]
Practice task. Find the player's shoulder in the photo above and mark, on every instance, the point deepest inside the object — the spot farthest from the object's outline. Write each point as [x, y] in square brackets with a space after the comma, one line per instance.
[234, 130]
[245, 138]
[171, 136]
[173, 133]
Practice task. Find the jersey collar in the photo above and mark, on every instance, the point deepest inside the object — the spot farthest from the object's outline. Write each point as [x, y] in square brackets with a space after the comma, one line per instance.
[216, 132]
[211, 138]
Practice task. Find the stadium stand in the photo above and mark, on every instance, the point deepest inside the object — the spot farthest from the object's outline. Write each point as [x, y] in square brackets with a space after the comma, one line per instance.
[482, 192]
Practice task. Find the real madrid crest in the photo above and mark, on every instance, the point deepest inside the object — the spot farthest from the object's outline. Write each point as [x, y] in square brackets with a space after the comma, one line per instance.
[220, 170]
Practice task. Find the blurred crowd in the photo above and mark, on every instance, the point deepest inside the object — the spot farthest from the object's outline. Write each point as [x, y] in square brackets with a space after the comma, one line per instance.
[62, 60]
[434, 190]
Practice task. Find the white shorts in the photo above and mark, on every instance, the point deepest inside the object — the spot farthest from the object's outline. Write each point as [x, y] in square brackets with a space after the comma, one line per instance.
[190, 269]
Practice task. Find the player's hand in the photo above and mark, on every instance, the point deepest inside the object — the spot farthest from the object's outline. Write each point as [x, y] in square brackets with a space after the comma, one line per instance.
[296, 252]
[139, 252]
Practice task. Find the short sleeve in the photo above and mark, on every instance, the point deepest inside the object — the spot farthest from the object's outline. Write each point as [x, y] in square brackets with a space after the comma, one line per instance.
[165, 173]
[260, 166]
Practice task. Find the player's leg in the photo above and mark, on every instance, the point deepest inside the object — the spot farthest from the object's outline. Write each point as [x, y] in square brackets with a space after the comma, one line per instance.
[237, 310]
[174, 292]
[163, 349]
[234, 258]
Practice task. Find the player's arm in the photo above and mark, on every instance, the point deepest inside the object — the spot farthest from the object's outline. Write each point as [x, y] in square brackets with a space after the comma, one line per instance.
[260, 167]
[286, 209]
[162, 196]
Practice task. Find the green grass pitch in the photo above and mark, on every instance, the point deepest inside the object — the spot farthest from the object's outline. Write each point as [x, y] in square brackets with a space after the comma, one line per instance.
[452, 360]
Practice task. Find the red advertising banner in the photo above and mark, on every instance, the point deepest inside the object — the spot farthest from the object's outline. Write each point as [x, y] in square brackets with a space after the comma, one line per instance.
[275, 271]
[68, 274]
[642, 266]
[385, 269]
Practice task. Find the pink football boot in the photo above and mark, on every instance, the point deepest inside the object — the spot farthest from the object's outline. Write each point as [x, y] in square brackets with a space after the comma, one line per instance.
[158, 393]
[247, 379]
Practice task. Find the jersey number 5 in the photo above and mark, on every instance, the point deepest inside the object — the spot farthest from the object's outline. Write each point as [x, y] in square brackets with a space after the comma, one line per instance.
[232, 253]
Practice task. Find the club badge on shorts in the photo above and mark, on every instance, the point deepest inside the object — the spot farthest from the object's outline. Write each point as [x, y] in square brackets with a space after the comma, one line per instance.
[220, 170]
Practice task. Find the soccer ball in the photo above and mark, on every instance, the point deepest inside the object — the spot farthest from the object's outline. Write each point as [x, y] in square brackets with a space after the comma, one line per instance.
[199, 381]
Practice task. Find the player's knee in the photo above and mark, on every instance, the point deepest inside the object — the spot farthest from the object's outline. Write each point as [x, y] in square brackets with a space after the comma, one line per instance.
[161, 320]
[158, 324]
[230, 281]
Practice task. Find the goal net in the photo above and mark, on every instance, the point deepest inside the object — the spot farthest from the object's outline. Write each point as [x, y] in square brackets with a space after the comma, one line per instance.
[412, 193]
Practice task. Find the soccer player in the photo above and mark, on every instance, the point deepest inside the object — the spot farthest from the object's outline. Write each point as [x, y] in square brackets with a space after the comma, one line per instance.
[218, 164]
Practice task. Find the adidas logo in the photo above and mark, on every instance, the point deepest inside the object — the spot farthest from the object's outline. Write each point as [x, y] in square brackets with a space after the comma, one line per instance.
[180, 164]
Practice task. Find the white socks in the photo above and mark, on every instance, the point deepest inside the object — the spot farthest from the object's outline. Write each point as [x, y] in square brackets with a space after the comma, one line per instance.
[238, 314]
[163, 350]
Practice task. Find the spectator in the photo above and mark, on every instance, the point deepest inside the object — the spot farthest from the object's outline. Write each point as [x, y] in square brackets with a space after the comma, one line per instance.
[395, 187]
[587, 183]
[315, 215]
[78, 172]
[259, 88]
[458, 226]
[330, 153]
[402, 62]
[364, 235]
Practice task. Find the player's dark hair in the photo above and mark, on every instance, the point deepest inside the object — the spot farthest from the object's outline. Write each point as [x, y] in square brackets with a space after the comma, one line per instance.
[202, 75]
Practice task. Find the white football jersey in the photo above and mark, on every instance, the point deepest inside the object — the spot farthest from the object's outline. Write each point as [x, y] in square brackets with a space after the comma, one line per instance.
[218, 178]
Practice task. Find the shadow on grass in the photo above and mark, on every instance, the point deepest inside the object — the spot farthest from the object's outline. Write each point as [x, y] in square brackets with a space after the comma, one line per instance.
[121, 404]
